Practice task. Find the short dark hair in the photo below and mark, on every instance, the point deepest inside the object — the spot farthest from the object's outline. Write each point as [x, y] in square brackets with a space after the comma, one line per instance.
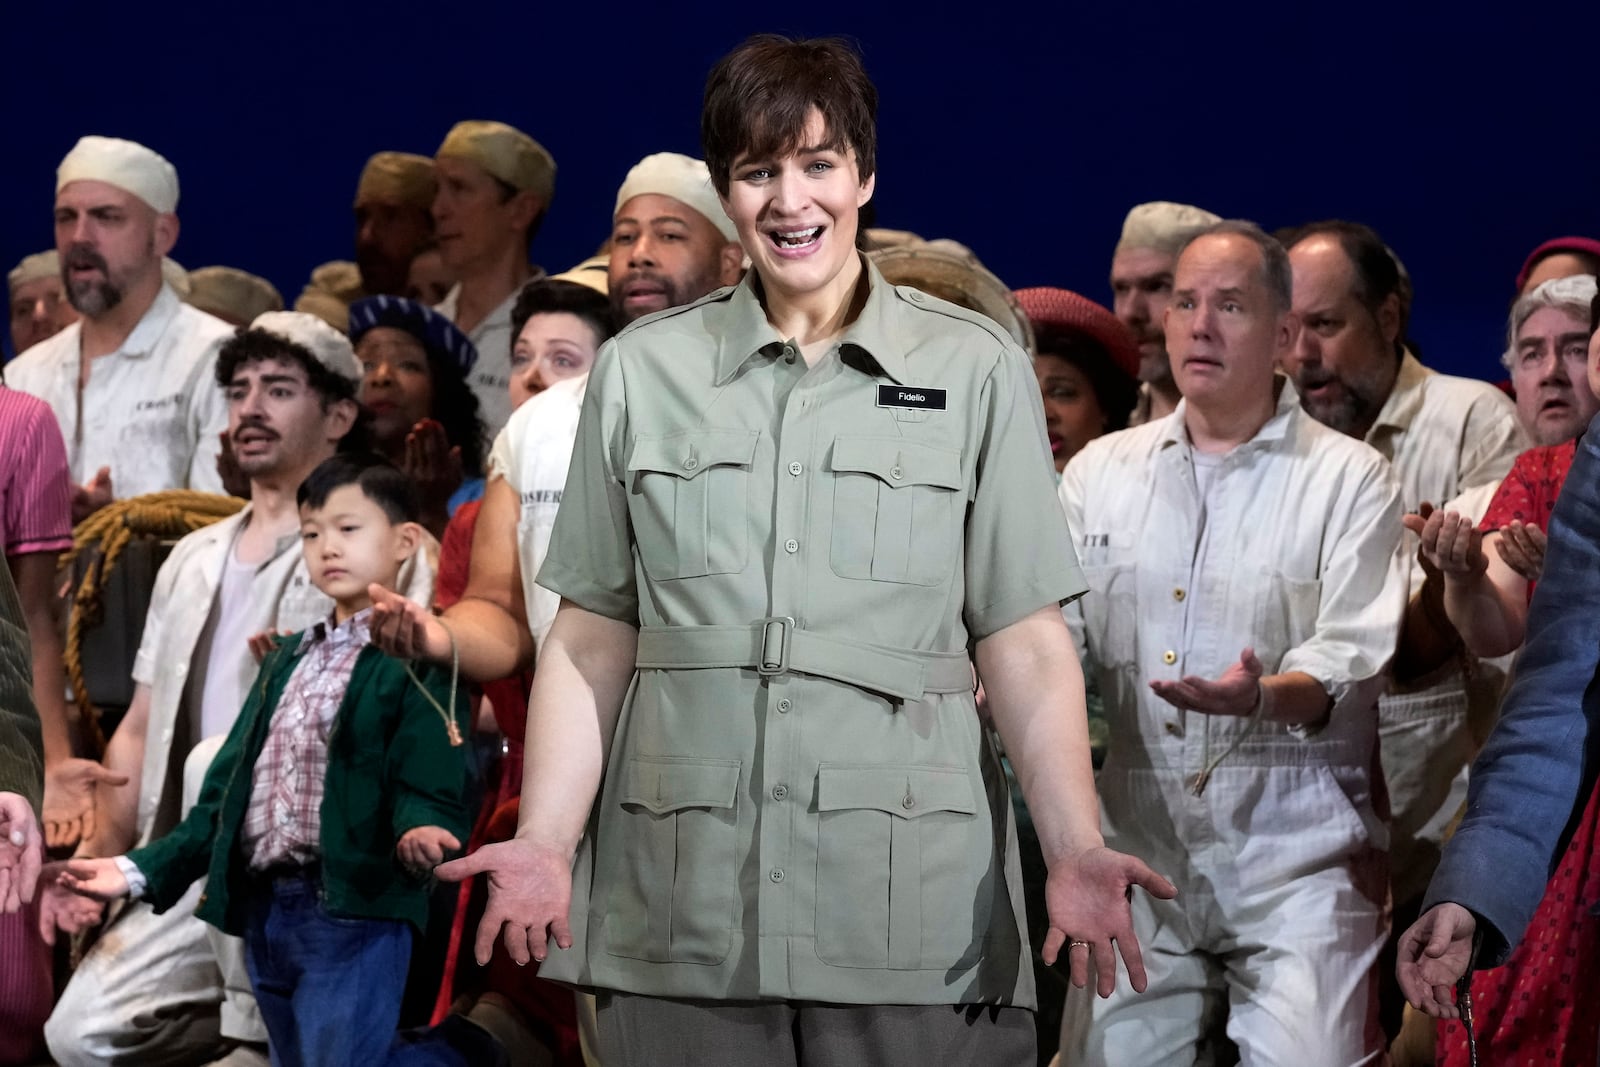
[550, 296]
[759, 95]
[379, 480]
[1114, 389]
[1275, 272]
[1377, 270]
[249, 346]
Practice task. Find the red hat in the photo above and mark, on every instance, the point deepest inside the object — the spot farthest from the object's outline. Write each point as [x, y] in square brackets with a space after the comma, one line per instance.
[1586, 245]
[1061, 309]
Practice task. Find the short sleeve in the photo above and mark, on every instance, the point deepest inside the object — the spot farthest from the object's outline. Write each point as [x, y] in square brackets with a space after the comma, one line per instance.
[590, 561]
[209, 420]
[1019, 554]
[38, 503]
[146, 662]
[500, 464]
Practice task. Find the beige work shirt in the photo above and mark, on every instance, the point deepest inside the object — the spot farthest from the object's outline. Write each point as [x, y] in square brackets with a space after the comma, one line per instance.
[1292, 551]
[1444, 436]
[800, 802]
[490, 377]
[152, 410]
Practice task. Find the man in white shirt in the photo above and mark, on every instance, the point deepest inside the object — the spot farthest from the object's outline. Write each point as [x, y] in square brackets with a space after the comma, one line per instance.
[150, 989]
[1247, 594]
[494, 188]
[671, 244]
[1444, 436]
[1141, 289]
[131, 382]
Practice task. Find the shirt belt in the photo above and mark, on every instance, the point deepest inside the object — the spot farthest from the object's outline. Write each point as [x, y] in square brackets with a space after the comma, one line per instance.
[775, 646]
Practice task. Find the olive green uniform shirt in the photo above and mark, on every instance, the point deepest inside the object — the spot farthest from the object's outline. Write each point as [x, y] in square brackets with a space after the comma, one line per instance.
[800, 801]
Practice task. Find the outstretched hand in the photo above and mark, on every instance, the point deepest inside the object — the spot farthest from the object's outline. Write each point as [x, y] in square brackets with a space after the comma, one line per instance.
[1451, 542]
[62, 909]
[21, 852]
[1087, 896]
[1522, 547]
[1433, 955]
[1236, 693]
[405, 629]
[98, 879]
[530, 896]
[70, 787]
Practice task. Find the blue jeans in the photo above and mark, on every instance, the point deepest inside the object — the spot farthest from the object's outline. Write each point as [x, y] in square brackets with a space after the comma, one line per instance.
[329, 988]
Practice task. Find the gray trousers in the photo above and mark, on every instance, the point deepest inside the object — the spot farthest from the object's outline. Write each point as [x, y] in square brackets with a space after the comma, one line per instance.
[637, 1031]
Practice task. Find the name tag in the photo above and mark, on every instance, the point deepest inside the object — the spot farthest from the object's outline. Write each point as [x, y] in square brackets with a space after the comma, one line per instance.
[914, 396]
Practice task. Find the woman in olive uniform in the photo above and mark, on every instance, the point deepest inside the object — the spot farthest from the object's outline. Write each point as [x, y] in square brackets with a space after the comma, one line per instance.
[797, 510]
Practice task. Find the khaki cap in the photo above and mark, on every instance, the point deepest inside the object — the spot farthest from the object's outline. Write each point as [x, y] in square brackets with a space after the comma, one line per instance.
[231, 294]
[505, 152]
[397, 178]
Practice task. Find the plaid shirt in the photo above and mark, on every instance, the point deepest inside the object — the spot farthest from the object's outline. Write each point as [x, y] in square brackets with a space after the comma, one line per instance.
[283, 822]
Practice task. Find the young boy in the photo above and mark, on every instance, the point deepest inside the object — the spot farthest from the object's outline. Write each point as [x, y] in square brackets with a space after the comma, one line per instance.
[341, 764]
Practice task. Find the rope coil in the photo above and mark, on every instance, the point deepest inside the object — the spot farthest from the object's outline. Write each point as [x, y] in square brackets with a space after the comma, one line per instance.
[173, 513]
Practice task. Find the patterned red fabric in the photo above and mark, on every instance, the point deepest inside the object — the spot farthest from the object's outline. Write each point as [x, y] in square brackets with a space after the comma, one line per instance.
[1539, 1007]
[1529, 491]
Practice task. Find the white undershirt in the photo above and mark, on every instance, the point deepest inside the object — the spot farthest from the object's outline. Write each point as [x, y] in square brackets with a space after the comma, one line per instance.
[223, 696]
[1206, 465]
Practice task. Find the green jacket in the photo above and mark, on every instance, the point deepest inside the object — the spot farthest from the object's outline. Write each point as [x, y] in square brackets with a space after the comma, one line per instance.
[391, 768]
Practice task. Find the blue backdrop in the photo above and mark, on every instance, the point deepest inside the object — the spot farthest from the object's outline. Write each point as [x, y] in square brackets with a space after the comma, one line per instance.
[1025, 132]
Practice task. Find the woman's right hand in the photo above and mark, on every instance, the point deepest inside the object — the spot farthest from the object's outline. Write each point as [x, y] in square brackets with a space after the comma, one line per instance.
[530, 894]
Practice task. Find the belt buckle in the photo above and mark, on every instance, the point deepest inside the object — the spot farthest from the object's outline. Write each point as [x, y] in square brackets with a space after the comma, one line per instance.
[772, 657]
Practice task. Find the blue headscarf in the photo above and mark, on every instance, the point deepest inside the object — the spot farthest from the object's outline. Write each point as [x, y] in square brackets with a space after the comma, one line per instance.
[437, 334]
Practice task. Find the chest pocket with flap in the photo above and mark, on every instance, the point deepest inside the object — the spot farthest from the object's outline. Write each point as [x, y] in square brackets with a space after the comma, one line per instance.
[897, 510]
[688, 501]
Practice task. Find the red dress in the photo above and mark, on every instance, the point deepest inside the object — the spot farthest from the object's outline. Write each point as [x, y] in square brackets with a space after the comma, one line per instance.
[549, 1006]
[1540, 1007]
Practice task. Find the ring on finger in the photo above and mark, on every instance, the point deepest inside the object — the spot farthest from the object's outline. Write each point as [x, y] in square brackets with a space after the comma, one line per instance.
[1077, 944]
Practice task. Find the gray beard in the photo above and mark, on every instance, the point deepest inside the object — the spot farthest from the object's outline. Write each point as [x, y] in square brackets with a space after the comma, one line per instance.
[94, 299]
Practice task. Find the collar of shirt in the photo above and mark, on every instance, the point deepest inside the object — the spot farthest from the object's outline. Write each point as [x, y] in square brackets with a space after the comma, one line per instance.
[748, 334]
[1176, 432]
[354, 630]
[500, 316]
[1405, 399]
[152, 325]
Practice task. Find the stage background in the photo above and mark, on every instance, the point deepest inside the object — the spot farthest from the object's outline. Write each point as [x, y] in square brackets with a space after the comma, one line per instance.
[1025, 133]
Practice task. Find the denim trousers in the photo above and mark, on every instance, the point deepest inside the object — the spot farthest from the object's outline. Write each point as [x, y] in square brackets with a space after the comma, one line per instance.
[329, 988]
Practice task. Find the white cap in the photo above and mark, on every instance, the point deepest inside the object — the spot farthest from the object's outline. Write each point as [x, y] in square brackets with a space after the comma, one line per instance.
[331, 347]
[1163, 225]
[684, 179]
[129, 166]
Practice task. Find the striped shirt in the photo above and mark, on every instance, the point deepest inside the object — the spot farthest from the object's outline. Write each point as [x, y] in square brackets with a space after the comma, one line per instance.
[35, 489]
[283, 824]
